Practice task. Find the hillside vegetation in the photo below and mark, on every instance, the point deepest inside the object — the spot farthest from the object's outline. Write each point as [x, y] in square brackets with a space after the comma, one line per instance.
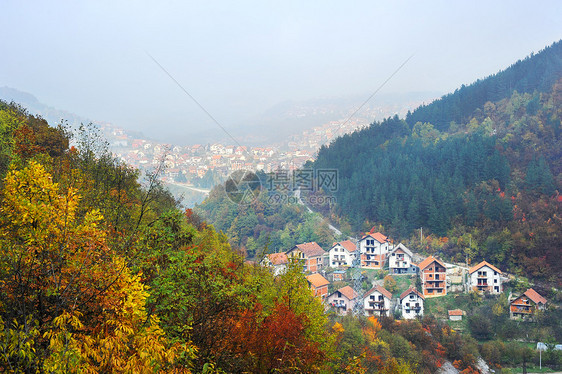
[100, 271]
[480, 169]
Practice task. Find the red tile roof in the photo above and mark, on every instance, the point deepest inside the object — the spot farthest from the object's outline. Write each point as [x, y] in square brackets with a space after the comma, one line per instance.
[348, 245]
[482, 264]
[278, 258]
[409, 291]
[311, 249]
[533, 295]
[348, 292]
[377, 236]
[425, 263]
[455, 312]
[381, 290]
[317, 280]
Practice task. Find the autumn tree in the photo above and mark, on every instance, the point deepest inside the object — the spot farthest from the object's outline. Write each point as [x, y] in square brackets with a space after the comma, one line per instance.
[68, 301]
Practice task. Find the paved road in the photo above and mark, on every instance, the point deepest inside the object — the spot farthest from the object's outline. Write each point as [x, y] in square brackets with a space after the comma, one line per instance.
[298, 196]
[202, 190]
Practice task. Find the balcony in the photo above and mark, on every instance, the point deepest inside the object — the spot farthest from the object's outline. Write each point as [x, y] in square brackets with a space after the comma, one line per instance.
[377, 306]
[433, 287]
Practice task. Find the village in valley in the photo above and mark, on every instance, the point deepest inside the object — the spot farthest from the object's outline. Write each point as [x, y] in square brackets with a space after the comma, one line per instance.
[337, 276]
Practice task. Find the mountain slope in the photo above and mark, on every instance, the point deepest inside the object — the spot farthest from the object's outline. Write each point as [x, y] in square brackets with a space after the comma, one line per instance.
[536, 72]
[483, 175]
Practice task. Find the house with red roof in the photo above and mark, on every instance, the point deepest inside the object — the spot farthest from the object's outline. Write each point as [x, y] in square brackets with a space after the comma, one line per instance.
[342, 254]
[318, 285]
[433, 275]
[373, 248]
[343, 300]
[455, 314]
[400, 261]
[527, 305]
[376, 302]
[310, 254]
[411, 303]
[485, 277]
[277, 262]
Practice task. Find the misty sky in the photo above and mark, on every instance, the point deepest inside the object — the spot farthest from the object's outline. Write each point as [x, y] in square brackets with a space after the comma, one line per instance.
[239, 58]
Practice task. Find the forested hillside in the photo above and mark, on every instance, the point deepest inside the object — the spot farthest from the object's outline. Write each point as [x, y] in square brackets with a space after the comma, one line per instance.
[534, 73]
[101, 273]
[264, 226]
[483, 175]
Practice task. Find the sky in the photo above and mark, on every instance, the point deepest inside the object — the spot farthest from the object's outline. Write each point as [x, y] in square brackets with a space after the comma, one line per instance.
[237, 59]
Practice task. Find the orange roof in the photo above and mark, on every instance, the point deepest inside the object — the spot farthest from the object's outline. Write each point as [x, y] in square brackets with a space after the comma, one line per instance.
[347, 244]
[425, 263]
[409, 291]
[482, 264]
[278, 258]
[533, 295]
[377, 236]
[311, 249]
[455, 312]
[348, 292]
[381, 290]
[317, 280]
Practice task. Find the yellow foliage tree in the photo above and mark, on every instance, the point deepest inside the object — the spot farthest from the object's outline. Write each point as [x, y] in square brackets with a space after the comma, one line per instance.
[69, 303]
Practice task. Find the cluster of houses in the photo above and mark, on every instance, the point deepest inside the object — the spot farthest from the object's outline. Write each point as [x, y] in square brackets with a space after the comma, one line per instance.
[375, 251]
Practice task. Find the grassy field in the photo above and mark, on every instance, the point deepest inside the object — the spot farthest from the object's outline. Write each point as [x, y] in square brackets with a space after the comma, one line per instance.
[403, 282]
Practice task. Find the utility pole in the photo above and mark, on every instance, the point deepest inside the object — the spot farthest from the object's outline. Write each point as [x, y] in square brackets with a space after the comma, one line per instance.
[421, 235]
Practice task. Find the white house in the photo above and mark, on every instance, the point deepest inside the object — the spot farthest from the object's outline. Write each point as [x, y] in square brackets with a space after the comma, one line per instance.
[485, 277]
[411, 303]
[376, 302]
[455, 315]
[400, 260]
[277, 262]
[342, 254]
[374, 248]
[343, 300]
